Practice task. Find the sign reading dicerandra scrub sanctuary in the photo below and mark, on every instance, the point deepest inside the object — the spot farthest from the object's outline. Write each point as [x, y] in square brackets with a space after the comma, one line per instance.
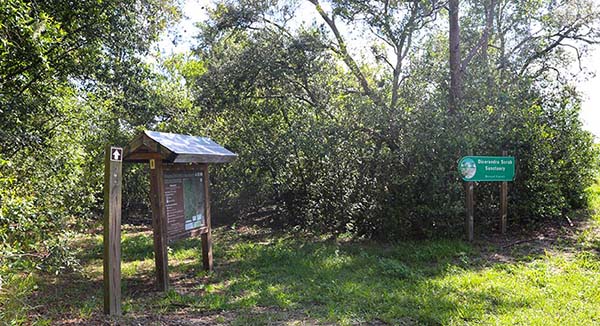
[487, 168]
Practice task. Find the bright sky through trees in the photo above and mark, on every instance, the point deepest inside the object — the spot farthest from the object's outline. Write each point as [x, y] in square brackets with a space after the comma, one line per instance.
[590, 113]
[195, 11]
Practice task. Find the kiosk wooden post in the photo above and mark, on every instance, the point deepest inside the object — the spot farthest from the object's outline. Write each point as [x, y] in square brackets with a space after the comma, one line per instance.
[159, 224]
[112, 230]
[207, 256]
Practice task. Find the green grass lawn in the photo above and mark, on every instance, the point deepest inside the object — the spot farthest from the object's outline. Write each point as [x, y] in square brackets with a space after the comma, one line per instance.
[266, 278]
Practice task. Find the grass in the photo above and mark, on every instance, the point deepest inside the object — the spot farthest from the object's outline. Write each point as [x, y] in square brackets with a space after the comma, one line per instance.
[267, 278]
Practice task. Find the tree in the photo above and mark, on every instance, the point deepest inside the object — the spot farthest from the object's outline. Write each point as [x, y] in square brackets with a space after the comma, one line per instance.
[69, 72]
[336, 140]
[48, 45]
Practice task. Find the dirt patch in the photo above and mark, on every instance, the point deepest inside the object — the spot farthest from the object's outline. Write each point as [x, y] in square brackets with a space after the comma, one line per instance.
[554, 236]
[186, 317]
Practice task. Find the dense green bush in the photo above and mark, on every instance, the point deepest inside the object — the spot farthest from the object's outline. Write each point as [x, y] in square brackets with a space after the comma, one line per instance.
[319, 153]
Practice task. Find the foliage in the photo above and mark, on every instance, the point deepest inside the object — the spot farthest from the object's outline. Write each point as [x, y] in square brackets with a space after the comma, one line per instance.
[331, 138]
[13, 298]
[333, 144]
[47, 45]
[68, 74]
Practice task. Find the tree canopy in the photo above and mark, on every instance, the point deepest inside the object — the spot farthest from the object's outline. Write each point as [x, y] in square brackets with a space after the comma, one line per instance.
[367, 141]
[72, 78]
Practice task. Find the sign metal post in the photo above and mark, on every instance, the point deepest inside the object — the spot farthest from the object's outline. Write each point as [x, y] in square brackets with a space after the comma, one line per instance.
[470, 208]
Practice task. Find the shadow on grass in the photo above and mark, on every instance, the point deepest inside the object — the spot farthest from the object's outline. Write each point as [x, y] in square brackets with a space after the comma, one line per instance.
[284, 277]
[434, 282]
[70, 295]
[134, 247]
[74, 299]
[337, 282]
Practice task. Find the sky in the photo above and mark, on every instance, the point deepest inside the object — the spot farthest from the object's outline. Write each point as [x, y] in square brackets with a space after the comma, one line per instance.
[590, 108]
[195, 11]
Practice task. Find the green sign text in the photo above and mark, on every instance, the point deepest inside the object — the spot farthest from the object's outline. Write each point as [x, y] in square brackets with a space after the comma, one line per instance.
[487, 168]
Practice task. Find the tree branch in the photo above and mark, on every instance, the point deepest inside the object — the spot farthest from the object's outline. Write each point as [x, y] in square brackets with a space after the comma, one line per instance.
[578, 54]
[401, 51]
[483, 40]
[540, 54]
[350, 62]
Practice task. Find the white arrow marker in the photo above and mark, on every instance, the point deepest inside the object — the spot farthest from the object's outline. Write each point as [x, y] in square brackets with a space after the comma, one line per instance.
[116, 155]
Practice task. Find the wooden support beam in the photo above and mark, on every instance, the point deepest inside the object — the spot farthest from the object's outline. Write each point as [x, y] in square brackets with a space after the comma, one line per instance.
[159, 223]
[207, 257]
[469, 216]
[142, 157]
[113, 178]
[183, 167]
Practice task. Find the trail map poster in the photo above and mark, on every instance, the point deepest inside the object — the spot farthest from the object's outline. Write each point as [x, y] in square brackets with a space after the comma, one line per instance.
[185, 202]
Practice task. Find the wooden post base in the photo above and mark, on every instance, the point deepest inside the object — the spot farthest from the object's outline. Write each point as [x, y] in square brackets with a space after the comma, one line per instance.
[112, 231]
[469, 217]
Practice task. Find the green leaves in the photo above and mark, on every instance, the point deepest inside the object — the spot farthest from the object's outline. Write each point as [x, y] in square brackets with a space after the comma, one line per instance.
[321, 154]
[71, 79]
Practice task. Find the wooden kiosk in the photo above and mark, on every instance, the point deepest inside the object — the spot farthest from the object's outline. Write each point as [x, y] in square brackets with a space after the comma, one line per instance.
[179, 193]
[179, 197]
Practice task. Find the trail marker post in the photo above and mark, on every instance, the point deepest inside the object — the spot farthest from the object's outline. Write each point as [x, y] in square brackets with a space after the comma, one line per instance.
[112, 230]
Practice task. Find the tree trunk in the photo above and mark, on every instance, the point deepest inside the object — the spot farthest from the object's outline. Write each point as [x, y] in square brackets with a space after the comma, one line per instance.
[455, 64]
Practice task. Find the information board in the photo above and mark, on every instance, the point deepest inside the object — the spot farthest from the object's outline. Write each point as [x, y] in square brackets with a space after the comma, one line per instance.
[184, 202]
[487, 168]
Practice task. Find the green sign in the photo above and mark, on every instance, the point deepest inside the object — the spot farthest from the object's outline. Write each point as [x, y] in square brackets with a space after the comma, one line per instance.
[487, 168]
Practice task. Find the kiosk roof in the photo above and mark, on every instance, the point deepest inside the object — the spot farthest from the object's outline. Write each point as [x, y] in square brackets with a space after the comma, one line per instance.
[176, 148]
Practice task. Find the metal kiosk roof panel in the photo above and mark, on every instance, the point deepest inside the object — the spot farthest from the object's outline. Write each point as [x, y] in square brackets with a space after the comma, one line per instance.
[176, 148]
